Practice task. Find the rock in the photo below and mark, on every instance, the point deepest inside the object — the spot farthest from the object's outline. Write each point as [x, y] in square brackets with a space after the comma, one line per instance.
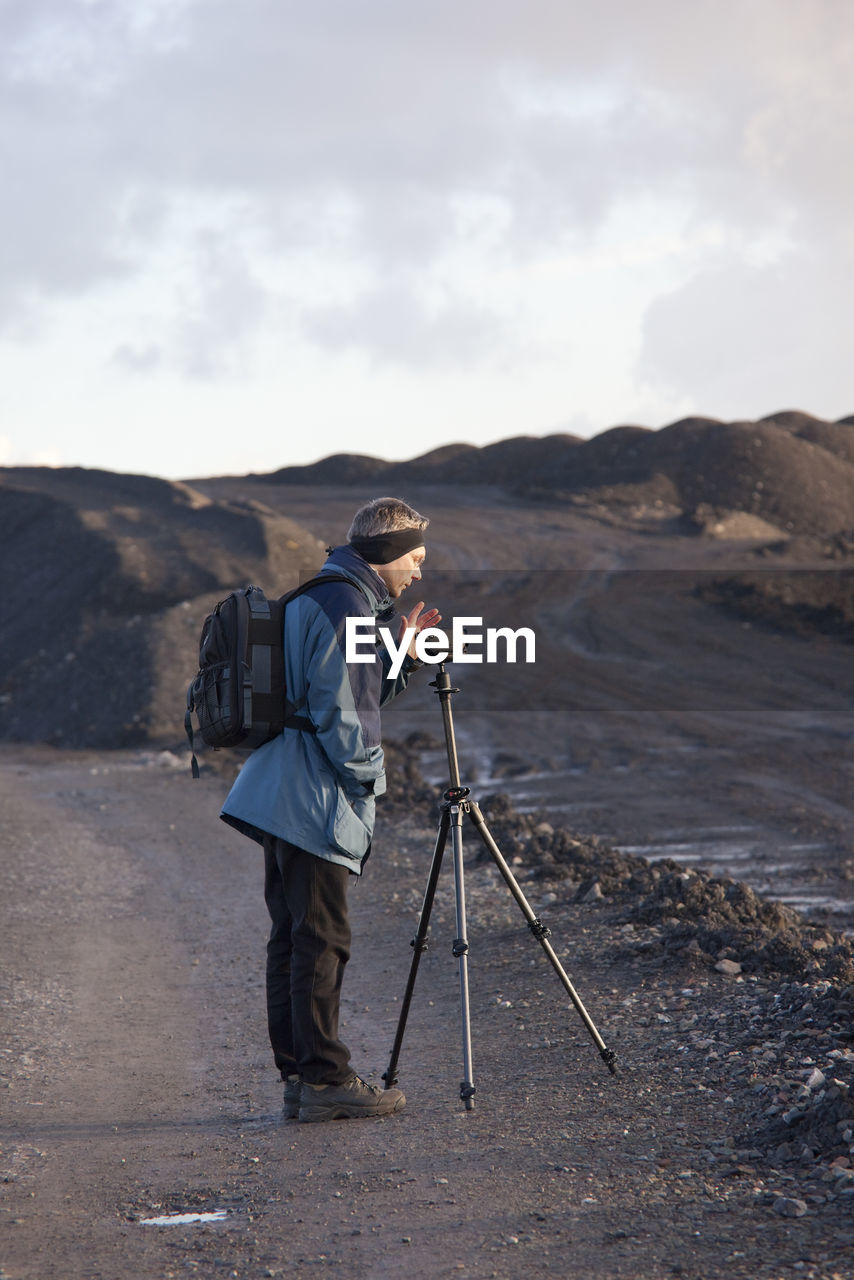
[730, 967]
[593, 893]
[816, 1079]
[790, 1207]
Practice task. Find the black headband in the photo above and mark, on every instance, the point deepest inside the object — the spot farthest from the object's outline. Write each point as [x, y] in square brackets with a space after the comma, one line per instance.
[385, 547]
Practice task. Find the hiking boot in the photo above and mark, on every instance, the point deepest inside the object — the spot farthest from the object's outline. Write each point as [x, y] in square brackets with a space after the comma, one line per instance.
[293, 1084]
[348, 1101]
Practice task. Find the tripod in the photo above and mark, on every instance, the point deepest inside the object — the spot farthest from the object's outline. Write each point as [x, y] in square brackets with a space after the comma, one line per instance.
[457, 804]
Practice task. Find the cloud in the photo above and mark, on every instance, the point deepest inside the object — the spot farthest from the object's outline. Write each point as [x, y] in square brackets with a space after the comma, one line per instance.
[739, 339]
[137, 359]
[336, 139]
[393, 321]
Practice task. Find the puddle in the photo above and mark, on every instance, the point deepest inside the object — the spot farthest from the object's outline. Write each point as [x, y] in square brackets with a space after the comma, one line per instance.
[590, 795]
[773, 876]
[765, 859]
[184, 1219]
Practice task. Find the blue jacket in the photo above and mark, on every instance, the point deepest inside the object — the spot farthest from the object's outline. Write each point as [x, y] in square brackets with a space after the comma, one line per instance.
[316, 790]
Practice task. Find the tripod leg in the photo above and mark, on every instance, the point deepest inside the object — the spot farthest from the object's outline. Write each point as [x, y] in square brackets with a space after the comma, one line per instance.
[419, 944]
[541, 933]
[461, 948]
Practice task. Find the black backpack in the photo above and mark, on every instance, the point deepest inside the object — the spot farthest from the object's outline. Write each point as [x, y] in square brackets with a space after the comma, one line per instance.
[239, 694]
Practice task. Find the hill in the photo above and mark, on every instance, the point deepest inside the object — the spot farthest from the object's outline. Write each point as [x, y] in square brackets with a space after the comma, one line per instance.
[790, 470]
[112, 575]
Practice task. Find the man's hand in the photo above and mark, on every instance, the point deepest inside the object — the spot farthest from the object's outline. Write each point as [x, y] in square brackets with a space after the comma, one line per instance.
[418, 620]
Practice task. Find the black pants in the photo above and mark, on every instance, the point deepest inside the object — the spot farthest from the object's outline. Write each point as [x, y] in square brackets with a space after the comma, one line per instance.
[308, 948]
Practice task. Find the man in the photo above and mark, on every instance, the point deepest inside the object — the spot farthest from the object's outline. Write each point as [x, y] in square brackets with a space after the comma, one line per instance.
[309, 797]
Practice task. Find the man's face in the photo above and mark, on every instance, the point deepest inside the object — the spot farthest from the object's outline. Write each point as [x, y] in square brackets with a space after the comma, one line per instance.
[398, 574]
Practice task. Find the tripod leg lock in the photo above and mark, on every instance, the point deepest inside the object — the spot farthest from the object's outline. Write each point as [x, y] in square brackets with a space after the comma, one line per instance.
[419, 946]
[538, 929]
[467, 1090]
[460, 947]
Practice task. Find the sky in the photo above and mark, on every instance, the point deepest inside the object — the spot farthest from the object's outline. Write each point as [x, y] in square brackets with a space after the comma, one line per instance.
[241, 236]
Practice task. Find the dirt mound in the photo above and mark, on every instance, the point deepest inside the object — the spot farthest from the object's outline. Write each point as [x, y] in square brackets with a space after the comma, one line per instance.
[114, 575]
[674, 911]
[834, 437]
[505, 462]
[760, 468]
[794, 420]
[804, 602]
[355, 468]
[338, 468]
[791, 471]
[499, 464]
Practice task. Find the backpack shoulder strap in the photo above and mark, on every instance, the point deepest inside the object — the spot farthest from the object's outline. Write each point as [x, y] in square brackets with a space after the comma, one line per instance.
[292, 719]
[318, 580]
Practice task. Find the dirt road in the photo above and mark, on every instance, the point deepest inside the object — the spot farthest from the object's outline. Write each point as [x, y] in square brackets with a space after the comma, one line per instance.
[137, 1081]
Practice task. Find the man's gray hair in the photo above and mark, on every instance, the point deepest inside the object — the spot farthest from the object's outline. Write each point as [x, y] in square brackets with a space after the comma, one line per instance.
[385, 515]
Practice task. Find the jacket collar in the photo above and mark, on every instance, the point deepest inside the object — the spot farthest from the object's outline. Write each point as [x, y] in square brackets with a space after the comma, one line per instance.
[346, 560]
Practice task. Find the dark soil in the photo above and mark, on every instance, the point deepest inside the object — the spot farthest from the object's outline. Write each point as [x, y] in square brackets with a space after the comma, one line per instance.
[113, 576]
[692, 690]
[708, 918]
[138, 1083]
[126, 567]
[791, 470]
